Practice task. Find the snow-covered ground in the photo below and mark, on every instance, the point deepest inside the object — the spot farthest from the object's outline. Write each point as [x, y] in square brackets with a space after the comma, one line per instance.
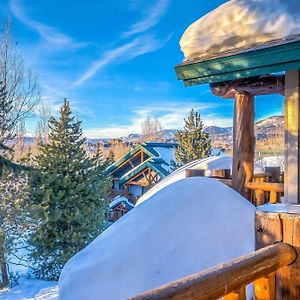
[186, 227]
[31, 289]
[241, 24]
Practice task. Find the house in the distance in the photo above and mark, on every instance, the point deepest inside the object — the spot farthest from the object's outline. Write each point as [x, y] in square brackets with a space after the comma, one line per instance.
[141, 168]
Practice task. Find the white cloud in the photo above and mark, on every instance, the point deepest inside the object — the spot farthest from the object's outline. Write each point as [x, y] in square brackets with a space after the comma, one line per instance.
[170, 114]
[154, 14]
[50, 34]
[121, 54]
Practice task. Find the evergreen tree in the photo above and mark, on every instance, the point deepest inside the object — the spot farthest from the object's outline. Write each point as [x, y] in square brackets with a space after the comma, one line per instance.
[15, 222]
[193, 142]
[70, 196]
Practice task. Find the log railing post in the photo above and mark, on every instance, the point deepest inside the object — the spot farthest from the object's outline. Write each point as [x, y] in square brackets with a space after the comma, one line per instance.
[279, 225]
[243, 143]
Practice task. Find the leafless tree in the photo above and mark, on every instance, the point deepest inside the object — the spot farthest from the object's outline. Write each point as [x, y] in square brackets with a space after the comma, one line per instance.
[42, 130]
[19, 93]
[151, 128]
[19, 85]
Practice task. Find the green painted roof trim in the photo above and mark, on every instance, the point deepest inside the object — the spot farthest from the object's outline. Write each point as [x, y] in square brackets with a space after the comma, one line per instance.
[146, 147]
[257, 61]
[153, 163]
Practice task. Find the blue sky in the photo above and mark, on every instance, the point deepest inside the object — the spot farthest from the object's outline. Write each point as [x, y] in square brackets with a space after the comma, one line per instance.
[114, 60]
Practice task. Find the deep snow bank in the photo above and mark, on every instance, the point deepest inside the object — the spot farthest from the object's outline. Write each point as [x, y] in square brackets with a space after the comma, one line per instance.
[239, 24]
[190, 225]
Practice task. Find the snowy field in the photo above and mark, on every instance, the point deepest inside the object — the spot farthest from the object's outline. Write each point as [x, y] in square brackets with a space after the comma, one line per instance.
[31, 289]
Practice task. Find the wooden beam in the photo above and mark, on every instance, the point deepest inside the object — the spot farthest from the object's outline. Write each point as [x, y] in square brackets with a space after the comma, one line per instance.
[255, 86]
[194, 173]
[225, 278]
[291, 171]
[243, 143]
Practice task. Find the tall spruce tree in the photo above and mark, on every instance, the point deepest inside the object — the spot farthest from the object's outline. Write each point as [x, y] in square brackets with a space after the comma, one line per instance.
[70, 196]
[193, 142]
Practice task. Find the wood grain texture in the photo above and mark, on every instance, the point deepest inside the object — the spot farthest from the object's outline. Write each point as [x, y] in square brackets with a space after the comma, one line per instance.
[225, 278]
[243, 143]
[272, 228]
[255, 86]
[291, 132]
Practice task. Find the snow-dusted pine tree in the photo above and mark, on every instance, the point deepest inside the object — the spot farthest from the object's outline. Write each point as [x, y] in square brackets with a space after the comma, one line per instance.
[70, 196]
[15, 221]
[193, 142]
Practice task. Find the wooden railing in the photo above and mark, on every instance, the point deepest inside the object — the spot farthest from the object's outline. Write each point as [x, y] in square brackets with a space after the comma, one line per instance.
[267, 187]
[266, 192]
[226, 280]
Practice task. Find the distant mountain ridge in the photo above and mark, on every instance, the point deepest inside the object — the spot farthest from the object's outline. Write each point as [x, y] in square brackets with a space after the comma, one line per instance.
[264, 128]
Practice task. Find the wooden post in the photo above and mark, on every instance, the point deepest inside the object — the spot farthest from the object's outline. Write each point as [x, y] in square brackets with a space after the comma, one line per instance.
[222, 173]
[243, 143]
[283, 225]
[194, 173]
[291, 172]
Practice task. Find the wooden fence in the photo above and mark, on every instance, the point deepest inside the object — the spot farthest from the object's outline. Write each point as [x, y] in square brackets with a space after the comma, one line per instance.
[227, 280]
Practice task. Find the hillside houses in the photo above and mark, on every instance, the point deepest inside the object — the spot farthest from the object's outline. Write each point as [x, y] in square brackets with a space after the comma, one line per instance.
[140, 169]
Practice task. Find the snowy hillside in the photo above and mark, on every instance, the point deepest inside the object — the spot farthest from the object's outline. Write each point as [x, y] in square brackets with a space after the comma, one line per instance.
[241, 24]
[186, 227]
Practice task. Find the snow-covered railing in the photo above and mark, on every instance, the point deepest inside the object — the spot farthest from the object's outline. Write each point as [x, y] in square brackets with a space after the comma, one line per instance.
[230, 279]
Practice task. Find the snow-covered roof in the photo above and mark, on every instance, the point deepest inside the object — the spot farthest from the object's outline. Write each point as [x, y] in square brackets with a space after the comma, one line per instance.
[208, 164]
[165, 151]
[121, 200]
[155, 164]
[273, 161]
[187, 227]
[241, 24]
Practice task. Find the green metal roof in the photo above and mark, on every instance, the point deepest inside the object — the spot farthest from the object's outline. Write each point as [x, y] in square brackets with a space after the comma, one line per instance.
[146, 147]
[153, 163]
[275, 56]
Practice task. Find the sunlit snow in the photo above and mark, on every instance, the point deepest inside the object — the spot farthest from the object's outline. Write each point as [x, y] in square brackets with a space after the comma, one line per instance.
[241, 24]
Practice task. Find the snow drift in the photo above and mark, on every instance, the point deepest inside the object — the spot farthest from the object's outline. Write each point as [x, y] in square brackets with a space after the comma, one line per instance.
[188, 226]
[241, 24]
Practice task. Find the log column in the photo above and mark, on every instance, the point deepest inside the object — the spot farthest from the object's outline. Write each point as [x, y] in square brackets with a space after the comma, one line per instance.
[291, 157]
[244, 91]
[243, 143]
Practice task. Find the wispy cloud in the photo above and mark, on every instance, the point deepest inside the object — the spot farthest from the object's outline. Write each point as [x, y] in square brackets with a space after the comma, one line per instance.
[171, 115]
[154, 14]
[123, 53]
[50, 34]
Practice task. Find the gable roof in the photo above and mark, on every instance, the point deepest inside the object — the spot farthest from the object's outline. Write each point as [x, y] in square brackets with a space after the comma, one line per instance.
[121, 200]
[153, 149]
[155, 164]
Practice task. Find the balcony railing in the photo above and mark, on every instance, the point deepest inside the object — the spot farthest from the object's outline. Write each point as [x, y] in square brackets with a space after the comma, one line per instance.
[230, 279]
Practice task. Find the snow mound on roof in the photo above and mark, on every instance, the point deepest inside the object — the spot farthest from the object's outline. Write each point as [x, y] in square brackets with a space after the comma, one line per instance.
[273, 161]
[119, 200]
[208, 164]
[241, 24]
[189, 226]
